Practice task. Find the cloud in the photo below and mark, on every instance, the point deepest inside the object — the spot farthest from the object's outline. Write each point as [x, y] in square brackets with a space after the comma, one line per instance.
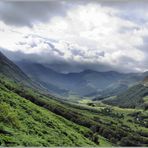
[20, 13]
[99, 36]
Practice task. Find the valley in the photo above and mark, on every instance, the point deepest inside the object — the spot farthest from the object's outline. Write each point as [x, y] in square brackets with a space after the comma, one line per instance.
[74, 73]
[31, 116]
[83, 84]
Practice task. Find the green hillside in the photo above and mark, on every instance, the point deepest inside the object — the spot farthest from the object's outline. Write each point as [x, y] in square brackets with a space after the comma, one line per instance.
[24, 123]
[26, 120]
[29, 118]
[9, 69]
[132, 98]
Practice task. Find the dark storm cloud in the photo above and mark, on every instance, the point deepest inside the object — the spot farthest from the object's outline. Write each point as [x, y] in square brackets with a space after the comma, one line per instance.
[26, 13]
[22, 13]
[62, 65]
[59, 65]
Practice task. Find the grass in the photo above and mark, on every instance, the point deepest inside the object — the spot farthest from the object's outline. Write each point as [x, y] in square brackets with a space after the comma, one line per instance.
[145, 99]
[26, 124]
[35, 119]
[104, 142]
[128, 123]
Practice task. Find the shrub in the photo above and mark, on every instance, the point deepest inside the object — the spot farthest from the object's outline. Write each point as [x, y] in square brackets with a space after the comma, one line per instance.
[8, 116]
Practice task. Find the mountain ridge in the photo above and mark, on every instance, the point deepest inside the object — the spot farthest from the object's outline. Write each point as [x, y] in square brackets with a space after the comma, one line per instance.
[31, 118]
[85, 83]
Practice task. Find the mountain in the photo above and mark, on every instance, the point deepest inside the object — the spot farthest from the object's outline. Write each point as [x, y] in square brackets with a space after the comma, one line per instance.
[66, 83]
[88, 83]
[11, 70]
[29, 117]
[112, 90]
[23, 122]
[44, 76]
[8, 68]
[134, 97]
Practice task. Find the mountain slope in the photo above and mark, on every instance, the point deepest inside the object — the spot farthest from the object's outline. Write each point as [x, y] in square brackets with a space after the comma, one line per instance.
[133, 97]
[45, 115]
[87, 83]
[8, 68]
[65, 83]
[12, 71]
[23, 123]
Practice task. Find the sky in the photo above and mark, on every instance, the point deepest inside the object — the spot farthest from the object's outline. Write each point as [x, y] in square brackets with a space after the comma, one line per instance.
[72, 36]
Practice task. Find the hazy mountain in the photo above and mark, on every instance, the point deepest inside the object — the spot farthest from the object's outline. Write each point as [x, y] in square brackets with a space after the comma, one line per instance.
[8, 68]
[133, 97]
[87, 83]
[12, 71]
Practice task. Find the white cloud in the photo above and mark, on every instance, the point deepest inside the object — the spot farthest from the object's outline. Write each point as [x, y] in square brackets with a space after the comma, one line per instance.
[89, 33]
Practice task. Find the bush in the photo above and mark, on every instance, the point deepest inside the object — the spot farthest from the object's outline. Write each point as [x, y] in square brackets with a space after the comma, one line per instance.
[8, 116]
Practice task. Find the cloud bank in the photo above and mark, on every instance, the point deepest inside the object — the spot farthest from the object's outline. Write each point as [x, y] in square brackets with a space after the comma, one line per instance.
[73, 36]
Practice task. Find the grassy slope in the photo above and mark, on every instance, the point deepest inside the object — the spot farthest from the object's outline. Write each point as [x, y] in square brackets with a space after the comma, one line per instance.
[118, 126]
[25, 124]
[132, 98]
